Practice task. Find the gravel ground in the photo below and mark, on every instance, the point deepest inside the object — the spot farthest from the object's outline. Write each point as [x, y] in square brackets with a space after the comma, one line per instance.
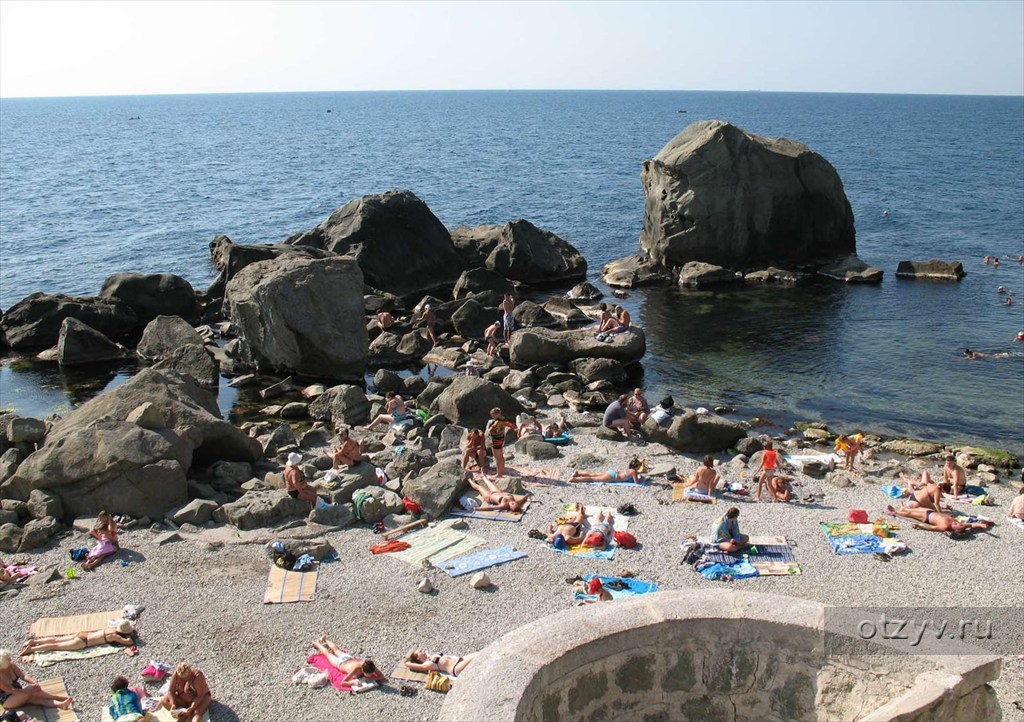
[203, 604]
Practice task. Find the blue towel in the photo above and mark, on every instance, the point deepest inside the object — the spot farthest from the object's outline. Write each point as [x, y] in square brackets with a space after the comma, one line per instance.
[634, 588]
[893, 491]
[717, 571]
[480, 560]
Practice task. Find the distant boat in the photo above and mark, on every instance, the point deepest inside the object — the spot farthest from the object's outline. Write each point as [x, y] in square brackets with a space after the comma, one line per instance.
[328, 110]
[681, 111]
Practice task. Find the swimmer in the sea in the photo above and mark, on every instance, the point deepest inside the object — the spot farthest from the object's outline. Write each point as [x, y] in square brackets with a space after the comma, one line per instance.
[1019, 338]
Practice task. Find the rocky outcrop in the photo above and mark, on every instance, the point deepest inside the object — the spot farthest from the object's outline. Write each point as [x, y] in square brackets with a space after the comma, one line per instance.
[231, 257]
[437, 487]
[475, 243]
[79, 344]
[152, 295]
[476, 280]
[35, 321]
[772, 276]
[193, 360]
[301, 315]
[696, 274]
[934, 270]
[342, 405]
[468, 402]
[258, 509]
[472, 319]
[851, 270]
[537, 345]
[399, 244]
[599, 369]
[164, 334]
[533, 255]
[586, 292]
[635, 270]
[691, 432]
[718, 194]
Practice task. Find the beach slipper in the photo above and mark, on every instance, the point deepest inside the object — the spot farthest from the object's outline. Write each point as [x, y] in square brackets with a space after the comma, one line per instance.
[882, 557]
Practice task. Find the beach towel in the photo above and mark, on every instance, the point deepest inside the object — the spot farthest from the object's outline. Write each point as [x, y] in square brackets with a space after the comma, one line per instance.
[481, 560]
[458, 510]
[334, 674]
[48, 659]
[437, 544]
[561, 440]
[716, 571]
[47, 714]
[681, 493]
[642, 477]
[54, 626]
[634, 588]
[773, 558]
[620, 524]
[285, 586]
[1019, 523]
[893, 491]
[797, 461]
[846, 538]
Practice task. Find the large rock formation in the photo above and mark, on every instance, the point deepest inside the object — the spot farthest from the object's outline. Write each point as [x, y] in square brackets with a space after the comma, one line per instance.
[164, 334]
[521, 251]
[232, 257]
[79, 344]
[35, 321]
[152, 295]
[538, 345]
[695, 433]
[400, 245]
[301, 315]
[468, 402]
[721, 195]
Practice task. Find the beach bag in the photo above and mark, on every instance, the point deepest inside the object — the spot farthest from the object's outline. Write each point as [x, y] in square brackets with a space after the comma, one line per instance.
[624, 539]
[858, 516]
[411, 506]
[661, 417]
[438, 682]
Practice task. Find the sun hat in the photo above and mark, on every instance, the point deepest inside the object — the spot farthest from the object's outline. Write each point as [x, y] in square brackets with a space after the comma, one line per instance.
[294, 459]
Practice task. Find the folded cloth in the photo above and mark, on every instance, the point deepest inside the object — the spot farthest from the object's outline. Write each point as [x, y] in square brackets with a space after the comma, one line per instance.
[891, 490]
[469, 503]
[719, 571]
[395, 545]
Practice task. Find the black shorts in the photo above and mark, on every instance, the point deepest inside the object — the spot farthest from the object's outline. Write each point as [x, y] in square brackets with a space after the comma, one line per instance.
[293, 494]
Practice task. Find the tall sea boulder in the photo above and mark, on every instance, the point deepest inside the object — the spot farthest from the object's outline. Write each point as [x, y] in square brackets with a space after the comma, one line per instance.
[398, 242]
[520, 251]
[301, 315]
[718, 194]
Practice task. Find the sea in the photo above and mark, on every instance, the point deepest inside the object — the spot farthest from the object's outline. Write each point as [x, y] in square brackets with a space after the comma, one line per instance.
[94, 186]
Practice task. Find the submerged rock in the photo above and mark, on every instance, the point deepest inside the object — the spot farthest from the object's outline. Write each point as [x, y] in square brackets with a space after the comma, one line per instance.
[851, 270]
[934, 269]
[696, 274]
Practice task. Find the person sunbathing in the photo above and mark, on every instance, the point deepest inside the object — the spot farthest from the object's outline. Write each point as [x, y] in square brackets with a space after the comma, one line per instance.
[476, 450]
[570, 531]
[494, 499]
[348, 665]
[555, 431]
[17, 689]
[348, 453]
[612, 475]
[188, 695]
[928, 520]
[1016, 510]
[600, 533]
[925, 495]
[420, 661]
[295, 481]
[121, 634]
[5, 576]
[706, 478]
[105, 533]
[529, 427]
[124, 701]
[395, 411]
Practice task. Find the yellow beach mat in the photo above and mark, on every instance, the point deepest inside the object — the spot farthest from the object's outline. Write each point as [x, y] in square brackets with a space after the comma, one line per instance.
[163, 715]
[50, 626]
[407, 675]
[679, 494]
[285, 586]
[50, 714]
[437, 544]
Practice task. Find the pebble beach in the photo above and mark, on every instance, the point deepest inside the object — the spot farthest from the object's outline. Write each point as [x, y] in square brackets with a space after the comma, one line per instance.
[203, 595]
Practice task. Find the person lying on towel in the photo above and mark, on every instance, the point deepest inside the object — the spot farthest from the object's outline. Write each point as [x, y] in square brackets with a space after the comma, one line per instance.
[121, 634]
[188, 695]
[352, 668]
[570, 531]
[927, 520]
[494, 499]
[421, 661]
[599, 535]
[612, 475]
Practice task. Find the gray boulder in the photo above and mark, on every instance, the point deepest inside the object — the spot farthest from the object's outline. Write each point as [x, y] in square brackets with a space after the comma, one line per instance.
[37, 533]
[80, 344]
[25, 429]
[691, 432]
[400, 245]
[385, 380]
[533, 255]
[152, 295]
[332, 515]
[599, 369]
[148, 416]
[533, 314]
[35, 321]
[197, 512]
[475, 243]
[472, 319]
[696, 274]
[633, 271]
[536, 345]
[342, 405]
[934, 270]
[851, 269]
[193, 360]
[437, 487]
[773, 276]
[258, 509]
[230, 258]
[476, 280]
[586, 292]
[718, 194]
[9, 462]
[565, 311]
[10, 538]
[536, 448]
[301, 315]
[164, 334]
[468, 402]
[42, 503]
[749, 445]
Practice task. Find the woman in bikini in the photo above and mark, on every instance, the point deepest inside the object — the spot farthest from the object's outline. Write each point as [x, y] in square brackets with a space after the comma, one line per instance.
[600, 532]
[494, 499]
[570, 531]
[395, 410]
[420, 661]
[496, 429]
[348, 665]
[17, 689]
[121, 634]
[612, 475]
[105, 532]
[188, 694]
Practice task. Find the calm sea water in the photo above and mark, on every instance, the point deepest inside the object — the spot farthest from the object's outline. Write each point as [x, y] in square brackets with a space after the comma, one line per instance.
[85, 192]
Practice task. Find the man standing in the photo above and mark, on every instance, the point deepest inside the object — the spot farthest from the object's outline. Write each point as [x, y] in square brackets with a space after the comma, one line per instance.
[508, 323]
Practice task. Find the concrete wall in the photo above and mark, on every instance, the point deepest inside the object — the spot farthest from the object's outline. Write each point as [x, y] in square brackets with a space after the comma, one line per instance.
[707, 655]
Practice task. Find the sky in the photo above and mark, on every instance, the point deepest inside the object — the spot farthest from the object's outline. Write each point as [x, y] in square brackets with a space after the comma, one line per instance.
[155, 47]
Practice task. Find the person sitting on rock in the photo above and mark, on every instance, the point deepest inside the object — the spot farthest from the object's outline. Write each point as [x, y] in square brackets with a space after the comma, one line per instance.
[601, 529]
[348, 665]
[928, 520]
[529, 426]
[622, 321]
[476, 450]
[347, 453]
[295, 481]
[491, 336]
[494, 499]
[421, 661]
[385, 320]
[848, 447]
[617, 417]
[725, 534]
[569, 532]
[395, 411]
[188, 695]
[17, 689]
[705, 480]
[637, 407]
[954, 477]
[612, 475]
[495, 429]
[121, 634]
[605, 320]
[105, 534]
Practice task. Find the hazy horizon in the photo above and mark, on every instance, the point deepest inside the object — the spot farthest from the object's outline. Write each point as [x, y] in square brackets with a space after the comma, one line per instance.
[89, 49]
